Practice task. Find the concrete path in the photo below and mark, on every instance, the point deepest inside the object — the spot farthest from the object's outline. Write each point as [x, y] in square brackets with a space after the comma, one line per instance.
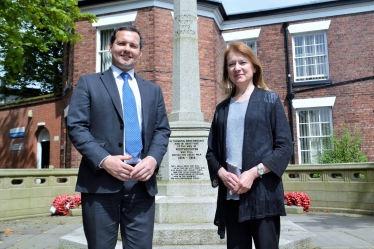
[337, 231]
[333, 231]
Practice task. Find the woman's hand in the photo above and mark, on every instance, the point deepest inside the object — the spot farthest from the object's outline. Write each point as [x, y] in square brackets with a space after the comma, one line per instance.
[230, 180]
[245, 181]
[247, 178]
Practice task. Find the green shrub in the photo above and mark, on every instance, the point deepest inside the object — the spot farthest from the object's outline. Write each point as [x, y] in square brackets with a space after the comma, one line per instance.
[346, 148]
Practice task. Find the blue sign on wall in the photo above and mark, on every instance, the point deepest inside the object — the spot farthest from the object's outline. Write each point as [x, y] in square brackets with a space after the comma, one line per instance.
[17, 132]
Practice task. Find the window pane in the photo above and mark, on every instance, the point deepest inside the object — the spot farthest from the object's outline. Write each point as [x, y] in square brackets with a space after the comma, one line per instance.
[309, 40]
[300, 62]
[303, 117]
[304, 130]
[314, 116]
[106, 61]
[304, 143]
[320, 49]
[299, 51]
[325, 129]
[320, 39]
[325, 115]
[315, 130]
[298, 41]
[106, 57]
[305, 157]
[250, 44]
[315, 144]
[309, 50]
[310, 57]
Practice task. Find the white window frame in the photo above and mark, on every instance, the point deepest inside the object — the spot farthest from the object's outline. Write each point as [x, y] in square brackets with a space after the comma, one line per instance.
[310, 29]
[110, 22]
[245, 36]
[308, 105]
[101, 51]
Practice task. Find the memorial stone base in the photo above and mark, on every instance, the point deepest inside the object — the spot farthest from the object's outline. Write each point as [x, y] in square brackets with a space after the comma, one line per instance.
[186, 202]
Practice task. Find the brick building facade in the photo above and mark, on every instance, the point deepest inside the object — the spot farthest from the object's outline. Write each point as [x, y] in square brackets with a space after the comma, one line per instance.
[319, 57]
[38, 124]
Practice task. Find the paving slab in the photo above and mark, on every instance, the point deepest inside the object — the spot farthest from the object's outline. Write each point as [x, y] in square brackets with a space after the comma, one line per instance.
[292, 237]
[39, 232]
[337, 230]
[332, 230]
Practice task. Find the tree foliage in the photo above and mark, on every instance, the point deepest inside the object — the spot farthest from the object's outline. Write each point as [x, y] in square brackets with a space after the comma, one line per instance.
[346, 148]
[32, 34]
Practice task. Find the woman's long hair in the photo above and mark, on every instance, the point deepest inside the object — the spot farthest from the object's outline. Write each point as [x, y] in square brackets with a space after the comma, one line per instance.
[226, 85]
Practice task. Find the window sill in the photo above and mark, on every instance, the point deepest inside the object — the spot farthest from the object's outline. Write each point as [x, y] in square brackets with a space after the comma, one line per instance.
[312, 83]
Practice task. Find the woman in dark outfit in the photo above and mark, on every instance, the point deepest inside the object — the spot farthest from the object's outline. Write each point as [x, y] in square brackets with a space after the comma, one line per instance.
[249, 148]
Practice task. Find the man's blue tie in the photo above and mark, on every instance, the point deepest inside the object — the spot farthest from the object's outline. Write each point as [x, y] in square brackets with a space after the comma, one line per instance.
[133, 139]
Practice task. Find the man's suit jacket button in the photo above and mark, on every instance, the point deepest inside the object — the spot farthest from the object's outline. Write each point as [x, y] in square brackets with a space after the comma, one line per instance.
[121, 127]
[120, 144]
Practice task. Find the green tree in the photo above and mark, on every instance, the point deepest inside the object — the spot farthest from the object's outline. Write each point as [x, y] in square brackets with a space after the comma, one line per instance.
[346, 147]
[32, 34]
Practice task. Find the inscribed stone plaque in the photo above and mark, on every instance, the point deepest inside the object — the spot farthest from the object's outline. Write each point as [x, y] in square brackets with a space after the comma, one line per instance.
[186, 158]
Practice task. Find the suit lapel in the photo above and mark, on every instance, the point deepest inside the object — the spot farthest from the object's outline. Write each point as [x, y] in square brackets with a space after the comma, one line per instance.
[109, 82]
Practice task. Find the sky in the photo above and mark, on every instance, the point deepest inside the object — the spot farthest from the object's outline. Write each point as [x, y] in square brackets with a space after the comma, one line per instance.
[240, 6]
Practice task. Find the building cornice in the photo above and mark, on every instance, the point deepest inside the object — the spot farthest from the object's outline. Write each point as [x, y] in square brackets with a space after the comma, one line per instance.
[297, 13]
[216, 11]
[31, 101]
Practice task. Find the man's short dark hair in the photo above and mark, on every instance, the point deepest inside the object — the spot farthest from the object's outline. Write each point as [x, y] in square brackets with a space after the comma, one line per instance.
[128, 28]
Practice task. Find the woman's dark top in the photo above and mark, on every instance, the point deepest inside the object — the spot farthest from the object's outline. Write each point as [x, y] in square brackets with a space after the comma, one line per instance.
[267, 139]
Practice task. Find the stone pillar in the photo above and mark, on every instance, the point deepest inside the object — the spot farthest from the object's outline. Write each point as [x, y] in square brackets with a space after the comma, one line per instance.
[186, 76]
[185, 159]
[186, 202]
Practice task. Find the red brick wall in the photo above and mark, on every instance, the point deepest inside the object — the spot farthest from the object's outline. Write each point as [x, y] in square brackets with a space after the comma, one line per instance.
[82, 60]
[351, 55]
[160, 52]
[48, 111]
[156, 64]
[350, 48]
[211, 49]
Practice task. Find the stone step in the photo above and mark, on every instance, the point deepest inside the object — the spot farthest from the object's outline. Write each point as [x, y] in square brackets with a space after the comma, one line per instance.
[191, 247]
[185, 209]
[186, 234]
[181, 236]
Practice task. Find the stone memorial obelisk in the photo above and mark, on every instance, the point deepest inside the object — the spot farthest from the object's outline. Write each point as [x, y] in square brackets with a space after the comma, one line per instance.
[186, 202]
[186, 155]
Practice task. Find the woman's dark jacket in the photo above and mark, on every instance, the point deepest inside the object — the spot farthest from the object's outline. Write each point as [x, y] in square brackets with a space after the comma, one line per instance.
[267, 139]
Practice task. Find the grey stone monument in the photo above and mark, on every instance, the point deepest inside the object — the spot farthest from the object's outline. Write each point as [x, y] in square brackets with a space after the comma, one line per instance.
[185, 158]
[185, 204]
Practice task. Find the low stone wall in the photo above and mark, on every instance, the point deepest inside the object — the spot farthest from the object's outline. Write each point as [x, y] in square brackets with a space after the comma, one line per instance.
[30, 192]
[346, 187]
[339, 188]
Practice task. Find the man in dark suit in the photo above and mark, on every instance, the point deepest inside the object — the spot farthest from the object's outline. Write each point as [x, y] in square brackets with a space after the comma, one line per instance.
[118, 182]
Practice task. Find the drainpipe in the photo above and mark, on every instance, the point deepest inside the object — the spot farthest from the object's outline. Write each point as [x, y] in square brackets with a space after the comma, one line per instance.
[290, 92]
